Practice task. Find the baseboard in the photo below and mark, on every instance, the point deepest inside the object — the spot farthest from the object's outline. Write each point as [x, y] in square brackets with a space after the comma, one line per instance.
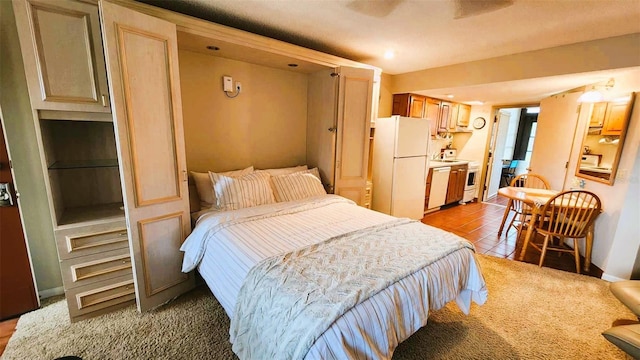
[47, 293]
[611, 278]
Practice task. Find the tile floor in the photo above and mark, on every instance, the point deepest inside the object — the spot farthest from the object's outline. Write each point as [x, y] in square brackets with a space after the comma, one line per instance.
[479, 223]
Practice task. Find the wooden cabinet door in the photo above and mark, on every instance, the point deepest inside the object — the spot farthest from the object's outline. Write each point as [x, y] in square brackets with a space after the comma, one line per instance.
[614, 119]
[445, 116]
[432, 113]
[464, 113]
[355, 102]
[57, 36]
[462, 180]
[452, 186]
[142, 58]
[401, 104]
[597, 114]
[417, 105]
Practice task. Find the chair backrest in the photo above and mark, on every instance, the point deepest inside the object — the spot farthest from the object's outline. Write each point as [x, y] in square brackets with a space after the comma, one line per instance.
[513, 164]
[530, 181]
[570, 213]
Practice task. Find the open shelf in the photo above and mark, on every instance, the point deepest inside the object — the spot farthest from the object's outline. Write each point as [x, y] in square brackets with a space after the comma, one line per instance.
[84, 164]
[81, 214]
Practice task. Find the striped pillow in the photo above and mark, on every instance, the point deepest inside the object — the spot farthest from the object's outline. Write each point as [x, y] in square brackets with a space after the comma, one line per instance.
[249, 190]
[297, 186]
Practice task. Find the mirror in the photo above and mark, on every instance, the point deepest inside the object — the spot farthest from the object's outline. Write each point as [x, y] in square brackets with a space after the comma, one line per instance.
[602, 144]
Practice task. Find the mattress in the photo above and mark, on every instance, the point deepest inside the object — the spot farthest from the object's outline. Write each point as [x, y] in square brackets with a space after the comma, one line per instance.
[224, 246]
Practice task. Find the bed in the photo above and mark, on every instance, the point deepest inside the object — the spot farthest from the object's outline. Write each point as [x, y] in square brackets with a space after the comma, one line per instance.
[318, 277]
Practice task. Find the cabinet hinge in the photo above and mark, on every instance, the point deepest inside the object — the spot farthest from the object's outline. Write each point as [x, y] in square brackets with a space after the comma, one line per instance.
[335, 74]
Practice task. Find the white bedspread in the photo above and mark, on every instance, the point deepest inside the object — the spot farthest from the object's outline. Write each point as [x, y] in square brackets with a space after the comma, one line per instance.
[225, 246]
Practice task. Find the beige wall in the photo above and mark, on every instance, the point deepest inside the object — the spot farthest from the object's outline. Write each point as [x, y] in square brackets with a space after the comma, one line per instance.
[21, 140]
[265, 126]
[611, 53]
[385, 103]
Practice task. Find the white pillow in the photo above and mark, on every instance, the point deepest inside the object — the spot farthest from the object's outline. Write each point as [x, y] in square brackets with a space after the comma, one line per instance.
[205, 187]
[287, 170]
[297, 186]
[248, 190]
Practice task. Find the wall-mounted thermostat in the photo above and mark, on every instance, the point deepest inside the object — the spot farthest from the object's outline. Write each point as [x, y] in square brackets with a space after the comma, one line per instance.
[227, 83]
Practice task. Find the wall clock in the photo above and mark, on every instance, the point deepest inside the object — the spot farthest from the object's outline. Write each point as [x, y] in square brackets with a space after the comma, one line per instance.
[479, 123]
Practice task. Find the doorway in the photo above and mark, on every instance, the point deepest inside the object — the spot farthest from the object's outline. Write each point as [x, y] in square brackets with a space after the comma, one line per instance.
[510, 146]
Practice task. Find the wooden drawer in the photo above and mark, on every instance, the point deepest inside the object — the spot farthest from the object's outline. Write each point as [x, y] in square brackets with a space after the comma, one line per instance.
[88, 269]
[86, 240]
[100, 297]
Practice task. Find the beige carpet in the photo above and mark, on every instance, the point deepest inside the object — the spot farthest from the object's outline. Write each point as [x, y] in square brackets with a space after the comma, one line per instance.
[531, 313]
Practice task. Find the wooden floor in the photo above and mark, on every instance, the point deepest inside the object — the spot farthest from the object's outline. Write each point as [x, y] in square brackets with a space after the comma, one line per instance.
[479, 223]
[476, 222]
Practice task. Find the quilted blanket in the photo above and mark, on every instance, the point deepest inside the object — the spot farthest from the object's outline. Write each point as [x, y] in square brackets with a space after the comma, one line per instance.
[287, 301]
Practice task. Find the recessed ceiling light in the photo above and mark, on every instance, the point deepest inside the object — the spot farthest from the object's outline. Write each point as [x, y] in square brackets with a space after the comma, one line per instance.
[389, 54]
[292, 65]
[214, 48]
[450, 96]
[475, 102]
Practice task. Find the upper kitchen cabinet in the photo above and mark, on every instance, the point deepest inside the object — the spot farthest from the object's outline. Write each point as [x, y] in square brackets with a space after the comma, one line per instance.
[409, 105]
[63, 55]
[614, 119]
[417, 106]
[463, 113]
[608, 117]
[444, 121]
[597, 114]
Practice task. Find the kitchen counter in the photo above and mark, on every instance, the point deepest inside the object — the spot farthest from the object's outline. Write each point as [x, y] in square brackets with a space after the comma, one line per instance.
[597, 169]
[441, 163]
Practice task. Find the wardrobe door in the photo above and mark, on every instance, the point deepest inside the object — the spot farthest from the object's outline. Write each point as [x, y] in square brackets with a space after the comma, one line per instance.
[62, 52]
[144, 83]
[355, 104]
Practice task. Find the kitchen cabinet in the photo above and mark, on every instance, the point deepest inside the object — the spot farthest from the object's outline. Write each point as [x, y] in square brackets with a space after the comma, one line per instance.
[614, 119]
[608, 116]
[409, 105]
[445, 116]
[432, 112]
[63, 55]
[597, 114]
[444, 120]
[463, 113]
[457, 180]
[427, 190]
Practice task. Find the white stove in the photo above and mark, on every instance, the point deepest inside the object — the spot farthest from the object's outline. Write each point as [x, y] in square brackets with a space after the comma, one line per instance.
[471, 185]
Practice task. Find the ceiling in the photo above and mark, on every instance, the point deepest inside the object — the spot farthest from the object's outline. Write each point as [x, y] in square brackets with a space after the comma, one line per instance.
[430, 33]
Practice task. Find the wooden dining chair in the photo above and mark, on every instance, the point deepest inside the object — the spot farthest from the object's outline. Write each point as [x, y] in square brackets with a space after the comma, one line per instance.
[567, 215]
[520, 210]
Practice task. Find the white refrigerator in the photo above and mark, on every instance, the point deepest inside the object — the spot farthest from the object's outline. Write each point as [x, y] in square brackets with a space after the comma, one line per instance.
[400, 166]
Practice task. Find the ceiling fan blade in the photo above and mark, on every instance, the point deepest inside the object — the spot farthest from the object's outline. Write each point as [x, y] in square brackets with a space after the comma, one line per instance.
[377, 9]
[467, 8]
